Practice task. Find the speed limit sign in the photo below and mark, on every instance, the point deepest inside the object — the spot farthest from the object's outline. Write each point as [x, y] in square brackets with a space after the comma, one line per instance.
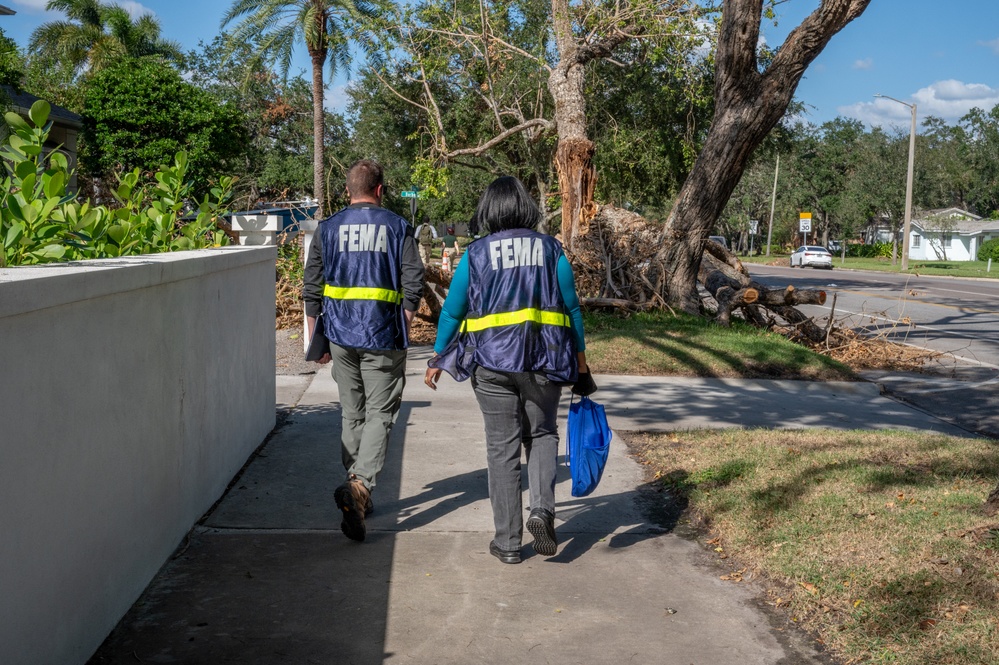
[805, 222]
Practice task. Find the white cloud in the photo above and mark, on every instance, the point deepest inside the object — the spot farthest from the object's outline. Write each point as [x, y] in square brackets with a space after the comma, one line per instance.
[134, 9]
[948, 99]
[866, 63]
[31, 5]
[994, 45]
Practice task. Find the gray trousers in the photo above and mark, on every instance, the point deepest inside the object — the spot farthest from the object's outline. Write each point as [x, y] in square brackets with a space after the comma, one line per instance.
[519, 409]
[370, 385]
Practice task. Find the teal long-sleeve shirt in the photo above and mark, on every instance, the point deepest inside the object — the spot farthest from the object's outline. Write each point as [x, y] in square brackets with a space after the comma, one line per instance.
[456, 304]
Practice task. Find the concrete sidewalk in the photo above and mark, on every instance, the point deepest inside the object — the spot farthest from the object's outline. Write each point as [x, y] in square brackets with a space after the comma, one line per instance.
[267, 577]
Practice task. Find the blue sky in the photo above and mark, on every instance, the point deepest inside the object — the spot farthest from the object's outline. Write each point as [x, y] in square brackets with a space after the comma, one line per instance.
[942, 56]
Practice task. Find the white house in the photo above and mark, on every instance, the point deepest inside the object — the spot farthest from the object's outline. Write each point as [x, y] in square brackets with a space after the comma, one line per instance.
[950, 234]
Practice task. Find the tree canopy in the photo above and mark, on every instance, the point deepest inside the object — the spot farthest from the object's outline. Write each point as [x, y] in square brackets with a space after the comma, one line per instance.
[140, 113]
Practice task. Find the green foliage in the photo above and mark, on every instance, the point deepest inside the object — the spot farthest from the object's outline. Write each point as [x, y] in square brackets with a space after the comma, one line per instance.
[662, 102]
[140, 113]
[10, 61]
[277, 115]
[877, 250]
[989, 250]
[40, 222]
[432, 180]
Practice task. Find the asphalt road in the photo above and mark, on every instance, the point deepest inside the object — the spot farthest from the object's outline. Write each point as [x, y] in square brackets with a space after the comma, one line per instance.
[956, 316]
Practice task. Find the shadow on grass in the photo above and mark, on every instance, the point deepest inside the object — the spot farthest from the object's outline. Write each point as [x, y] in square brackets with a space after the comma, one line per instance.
[749, 354]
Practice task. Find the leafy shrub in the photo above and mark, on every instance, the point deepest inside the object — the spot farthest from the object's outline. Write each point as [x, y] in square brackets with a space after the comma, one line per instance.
[41, 222]
[989, 250]
[140, 113]
[879, 250]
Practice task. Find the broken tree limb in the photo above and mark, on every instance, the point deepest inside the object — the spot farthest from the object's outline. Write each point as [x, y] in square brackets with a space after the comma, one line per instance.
[610, 303]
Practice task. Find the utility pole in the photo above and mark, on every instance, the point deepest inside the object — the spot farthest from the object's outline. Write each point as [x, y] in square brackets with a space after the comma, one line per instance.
[773, 200]
[907, 220]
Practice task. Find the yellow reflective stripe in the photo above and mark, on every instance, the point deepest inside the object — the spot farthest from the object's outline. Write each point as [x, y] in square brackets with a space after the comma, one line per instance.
[513, 318]
[362, 293]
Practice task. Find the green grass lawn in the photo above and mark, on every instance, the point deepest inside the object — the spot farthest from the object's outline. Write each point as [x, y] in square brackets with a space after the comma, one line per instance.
[946, 268]
[664, 344]
[874, 540]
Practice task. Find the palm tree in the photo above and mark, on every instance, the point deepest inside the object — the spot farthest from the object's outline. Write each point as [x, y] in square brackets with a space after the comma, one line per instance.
[326, 27]
[96, 35]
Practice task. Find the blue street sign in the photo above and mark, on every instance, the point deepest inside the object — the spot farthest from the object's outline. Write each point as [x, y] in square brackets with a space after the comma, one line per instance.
[408, 194]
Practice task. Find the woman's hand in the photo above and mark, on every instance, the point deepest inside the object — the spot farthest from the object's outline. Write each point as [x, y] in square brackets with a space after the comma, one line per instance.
[431, 377]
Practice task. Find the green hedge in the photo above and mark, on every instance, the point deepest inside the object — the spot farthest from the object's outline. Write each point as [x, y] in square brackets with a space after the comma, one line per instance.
[989, 250]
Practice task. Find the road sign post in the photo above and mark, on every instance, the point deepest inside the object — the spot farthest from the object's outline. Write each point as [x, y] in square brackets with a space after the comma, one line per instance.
[412, 195]
[805, 226]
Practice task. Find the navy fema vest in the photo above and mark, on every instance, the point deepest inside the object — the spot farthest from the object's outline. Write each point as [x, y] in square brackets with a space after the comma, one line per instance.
[362, 259]
[516, 319]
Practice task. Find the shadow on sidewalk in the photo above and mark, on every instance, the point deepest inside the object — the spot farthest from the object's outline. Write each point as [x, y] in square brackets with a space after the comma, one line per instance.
[267, 576]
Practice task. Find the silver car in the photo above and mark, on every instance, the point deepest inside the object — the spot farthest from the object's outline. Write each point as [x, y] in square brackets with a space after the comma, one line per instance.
[811, 255]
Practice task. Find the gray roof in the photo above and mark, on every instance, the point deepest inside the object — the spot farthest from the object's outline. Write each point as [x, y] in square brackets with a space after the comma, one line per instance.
[22, 102]
[6, 11]
[953, 220]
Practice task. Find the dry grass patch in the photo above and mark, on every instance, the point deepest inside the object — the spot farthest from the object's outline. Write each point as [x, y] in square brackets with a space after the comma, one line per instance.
[874, 540]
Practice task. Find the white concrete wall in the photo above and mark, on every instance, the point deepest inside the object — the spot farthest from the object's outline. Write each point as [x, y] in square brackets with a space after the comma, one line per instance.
[132, 391]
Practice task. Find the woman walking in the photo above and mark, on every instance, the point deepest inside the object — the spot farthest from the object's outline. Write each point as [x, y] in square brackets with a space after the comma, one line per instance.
[511, 322]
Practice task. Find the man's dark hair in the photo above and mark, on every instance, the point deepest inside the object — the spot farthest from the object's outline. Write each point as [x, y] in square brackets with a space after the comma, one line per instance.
[506, 205]
[363, 177]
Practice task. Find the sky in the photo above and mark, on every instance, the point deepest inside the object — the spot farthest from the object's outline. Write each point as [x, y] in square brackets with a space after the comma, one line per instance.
[941, 56]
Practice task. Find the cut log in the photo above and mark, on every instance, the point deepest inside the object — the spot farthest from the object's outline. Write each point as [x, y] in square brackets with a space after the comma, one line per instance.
[790, 296]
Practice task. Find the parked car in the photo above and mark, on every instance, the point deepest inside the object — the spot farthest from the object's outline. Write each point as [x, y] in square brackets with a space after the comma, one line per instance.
[811, 255]
[835, 246]
[720, 240]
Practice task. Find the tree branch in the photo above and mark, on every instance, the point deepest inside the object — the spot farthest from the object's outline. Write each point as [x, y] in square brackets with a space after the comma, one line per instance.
[499, 138]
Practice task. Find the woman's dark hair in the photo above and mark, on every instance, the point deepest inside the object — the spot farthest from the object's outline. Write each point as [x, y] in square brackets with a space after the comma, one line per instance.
[505, 205]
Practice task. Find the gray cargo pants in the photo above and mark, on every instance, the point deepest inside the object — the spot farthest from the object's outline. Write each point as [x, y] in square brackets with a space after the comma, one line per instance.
[519, 408]
[370, 385]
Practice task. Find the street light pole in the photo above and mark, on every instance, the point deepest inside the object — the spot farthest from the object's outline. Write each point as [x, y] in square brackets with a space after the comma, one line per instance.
[908, 182]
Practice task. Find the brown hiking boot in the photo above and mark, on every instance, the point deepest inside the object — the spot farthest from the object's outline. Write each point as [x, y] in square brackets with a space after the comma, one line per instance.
[354, 501]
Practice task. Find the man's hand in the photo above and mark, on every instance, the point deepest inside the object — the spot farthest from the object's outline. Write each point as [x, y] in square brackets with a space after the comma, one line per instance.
[431, 377]
[311, 321]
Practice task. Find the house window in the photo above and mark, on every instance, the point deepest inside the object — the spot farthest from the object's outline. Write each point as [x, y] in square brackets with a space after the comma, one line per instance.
[946, 239]
[916, 239]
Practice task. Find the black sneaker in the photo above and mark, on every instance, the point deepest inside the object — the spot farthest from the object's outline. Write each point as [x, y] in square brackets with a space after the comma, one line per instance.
[352, 499]
[506, 556]
[541, 524]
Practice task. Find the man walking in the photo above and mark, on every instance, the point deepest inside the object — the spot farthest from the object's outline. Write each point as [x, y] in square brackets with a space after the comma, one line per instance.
[426, 234]
[365, 277]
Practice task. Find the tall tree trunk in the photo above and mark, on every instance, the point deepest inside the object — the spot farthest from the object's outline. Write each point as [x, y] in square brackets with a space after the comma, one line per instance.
[318, 130]
[574, 155]
[747, 106]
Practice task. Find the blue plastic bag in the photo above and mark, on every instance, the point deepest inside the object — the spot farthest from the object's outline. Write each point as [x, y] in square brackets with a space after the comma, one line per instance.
[588, 440]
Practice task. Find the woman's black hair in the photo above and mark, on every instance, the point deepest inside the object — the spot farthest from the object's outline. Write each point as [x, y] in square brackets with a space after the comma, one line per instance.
[505, 205]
